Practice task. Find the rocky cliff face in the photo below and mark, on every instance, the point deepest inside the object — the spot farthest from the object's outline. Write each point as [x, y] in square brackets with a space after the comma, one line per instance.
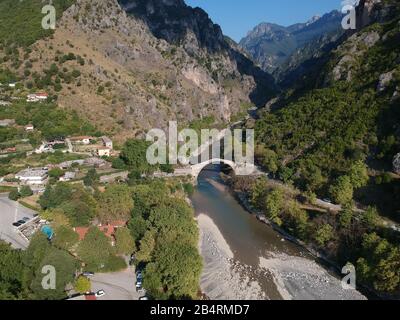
[370, 11]
[145, 63]
[272, 45]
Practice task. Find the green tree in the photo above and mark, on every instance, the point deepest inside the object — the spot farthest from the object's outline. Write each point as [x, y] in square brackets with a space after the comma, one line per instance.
[14, 195]
[323, 234]
[95, 249]
[134, 155]
[82, 285]
[175, 272]
[379, 264]
[25, 191]
[274, 205]
[147, 245]
[370, 217]
[56, 173]
[125, 244]
[115, 203]
[118, 163]
[65, 238]
[11, 272]
[346, 216]
[297, 220]
[91, 178]
[359, 174]
[65, 267]
[342, 190]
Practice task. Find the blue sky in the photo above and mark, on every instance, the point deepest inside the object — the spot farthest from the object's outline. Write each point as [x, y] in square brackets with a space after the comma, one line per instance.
[237, 17]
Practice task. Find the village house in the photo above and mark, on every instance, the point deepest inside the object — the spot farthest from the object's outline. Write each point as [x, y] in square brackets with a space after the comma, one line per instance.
[68, 176]
[9, 150]
[81, 140]
[29, 127]
[104, 152]
[4, 103]
[37, 97]
[108, 229]
[7, 122]
[107, 142]
[34, 176]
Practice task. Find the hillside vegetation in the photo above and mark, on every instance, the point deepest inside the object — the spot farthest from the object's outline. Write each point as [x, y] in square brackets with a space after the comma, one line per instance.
[336, 138]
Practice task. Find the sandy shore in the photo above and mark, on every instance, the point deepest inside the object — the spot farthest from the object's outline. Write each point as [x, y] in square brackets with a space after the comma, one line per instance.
[222, 277]
[299, 278]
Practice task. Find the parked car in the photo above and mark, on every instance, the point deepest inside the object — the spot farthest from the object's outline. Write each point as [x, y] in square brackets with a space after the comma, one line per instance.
[100, 293]
[144, 298]
[26, 219]
[139, 288]
[16, 224]
[21, 222]
[88, 274]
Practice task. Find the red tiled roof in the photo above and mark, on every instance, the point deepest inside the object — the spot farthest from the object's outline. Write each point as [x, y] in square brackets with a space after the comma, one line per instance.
[90, 297]
[108, 229]
[81, 231]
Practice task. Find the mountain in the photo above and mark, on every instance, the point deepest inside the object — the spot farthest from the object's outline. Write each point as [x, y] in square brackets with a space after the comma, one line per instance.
[272, 45]
[345, 110]
[136, 64]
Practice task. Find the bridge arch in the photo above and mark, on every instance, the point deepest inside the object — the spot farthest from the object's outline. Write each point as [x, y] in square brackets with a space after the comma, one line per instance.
[197, 168]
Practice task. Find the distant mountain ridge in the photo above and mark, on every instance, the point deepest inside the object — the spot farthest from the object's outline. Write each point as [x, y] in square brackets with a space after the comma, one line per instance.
[272, 45]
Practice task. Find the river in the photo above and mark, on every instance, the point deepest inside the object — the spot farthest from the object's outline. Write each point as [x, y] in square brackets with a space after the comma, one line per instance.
[247, 260]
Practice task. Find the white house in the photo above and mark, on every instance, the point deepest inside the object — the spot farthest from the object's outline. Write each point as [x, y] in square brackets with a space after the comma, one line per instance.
[7, 122]
[33, 176]
[29, 127]
[81, 140]
[104, 152]
[107, 142]
[68, 176]
[36, 97]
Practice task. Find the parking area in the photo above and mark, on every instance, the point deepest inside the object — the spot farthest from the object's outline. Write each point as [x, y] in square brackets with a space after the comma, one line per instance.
[10, 212]
[117, 286]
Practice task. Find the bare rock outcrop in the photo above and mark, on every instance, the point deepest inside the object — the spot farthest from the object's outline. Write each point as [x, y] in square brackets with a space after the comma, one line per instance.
[396, 163]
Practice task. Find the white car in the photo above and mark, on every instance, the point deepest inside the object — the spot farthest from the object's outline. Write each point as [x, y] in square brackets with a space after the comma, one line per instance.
[100, 293]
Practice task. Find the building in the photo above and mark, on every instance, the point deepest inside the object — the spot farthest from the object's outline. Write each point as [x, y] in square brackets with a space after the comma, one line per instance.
[107, 142]
[81, 140]
[33, 176]
[104, 152]
[68, 176]
[29, 127]
[8, 150]
[4, 103]
[108, 229]
[37, 97]
[7, 122]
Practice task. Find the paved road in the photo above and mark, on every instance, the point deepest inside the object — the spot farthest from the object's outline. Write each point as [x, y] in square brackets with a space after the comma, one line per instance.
[118, 285]
[11, 211]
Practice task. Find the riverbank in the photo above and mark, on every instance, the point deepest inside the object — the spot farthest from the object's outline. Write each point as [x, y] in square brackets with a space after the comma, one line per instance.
[222, 277]
[245, 260]
[333, 266]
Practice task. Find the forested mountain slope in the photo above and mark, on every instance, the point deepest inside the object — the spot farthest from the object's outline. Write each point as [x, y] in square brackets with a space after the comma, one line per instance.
[337, 136]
